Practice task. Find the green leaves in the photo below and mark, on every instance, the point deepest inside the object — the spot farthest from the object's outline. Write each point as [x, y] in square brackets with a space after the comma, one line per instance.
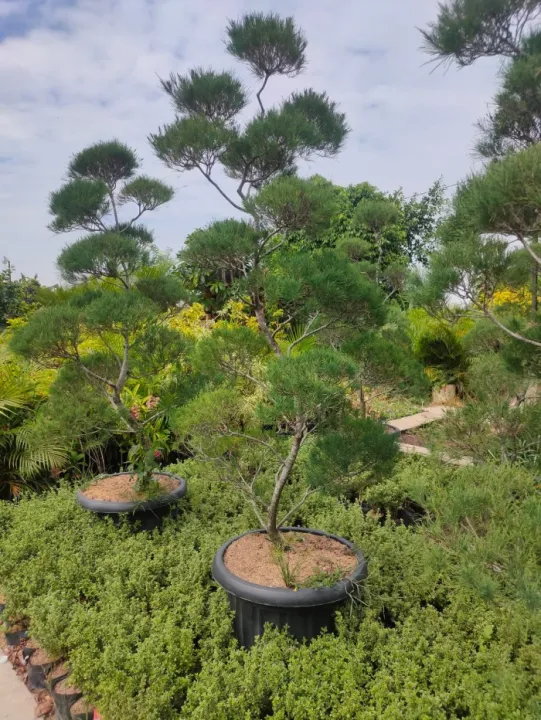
[312, 385]
[507, 197]
[223, 245]
[268, 44]
[267, 146]
[376, 215]
[215, 96]
[146, 192]
[466, 30]
[52, 333]
[122, 312]
[327, 285]
[192, 142]
[108, 255]
[107, 162]
[321, 128]
[357, 449]
[81, 203]
[291, 203]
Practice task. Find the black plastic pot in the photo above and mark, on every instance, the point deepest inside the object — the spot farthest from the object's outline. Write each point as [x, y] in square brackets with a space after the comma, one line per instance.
[306, 612]
[36, 674]
[15, 638]
[145, 514]
[63, 701]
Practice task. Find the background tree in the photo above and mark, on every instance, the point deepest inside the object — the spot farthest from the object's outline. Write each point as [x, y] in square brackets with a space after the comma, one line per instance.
[494, 225]
[467, 30]
[123, 288]
[17, 297]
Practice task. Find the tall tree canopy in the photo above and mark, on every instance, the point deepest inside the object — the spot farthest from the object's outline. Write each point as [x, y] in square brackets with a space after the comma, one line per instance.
[466, 30]
[207, 133]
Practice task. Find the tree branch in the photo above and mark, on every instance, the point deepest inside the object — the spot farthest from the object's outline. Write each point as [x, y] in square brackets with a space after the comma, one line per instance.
[309, 491]
[258, 94]
[282, 476]
[222, 193]
[533, 254]
[231, 433]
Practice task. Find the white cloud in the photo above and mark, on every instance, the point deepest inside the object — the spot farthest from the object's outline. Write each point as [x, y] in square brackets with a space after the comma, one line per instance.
[87, 71]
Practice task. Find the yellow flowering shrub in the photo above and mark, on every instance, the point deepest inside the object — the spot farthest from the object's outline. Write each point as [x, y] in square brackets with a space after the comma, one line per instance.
[191, 321]
[522, 298]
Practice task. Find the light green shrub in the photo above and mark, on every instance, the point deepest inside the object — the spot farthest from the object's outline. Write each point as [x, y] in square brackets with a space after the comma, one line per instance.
[448, 625]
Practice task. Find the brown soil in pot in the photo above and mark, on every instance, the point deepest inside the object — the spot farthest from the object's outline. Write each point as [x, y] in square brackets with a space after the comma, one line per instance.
[253, 558]
[59, 671]
[39, 656]
[120, 488]
[65, 687]
[81, 707]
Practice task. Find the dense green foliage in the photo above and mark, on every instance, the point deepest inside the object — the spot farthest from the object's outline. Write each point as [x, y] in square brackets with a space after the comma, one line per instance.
[448, 626]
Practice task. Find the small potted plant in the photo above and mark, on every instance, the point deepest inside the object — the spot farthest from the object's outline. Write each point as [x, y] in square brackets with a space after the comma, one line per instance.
[109, 333]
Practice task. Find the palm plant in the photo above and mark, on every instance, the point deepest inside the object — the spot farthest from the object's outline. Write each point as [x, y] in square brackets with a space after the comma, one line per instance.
[24, 456]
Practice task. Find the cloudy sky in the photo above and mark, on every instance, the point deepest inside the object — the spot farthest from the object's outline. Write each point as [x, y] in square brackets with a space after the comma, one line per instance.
[73, 72]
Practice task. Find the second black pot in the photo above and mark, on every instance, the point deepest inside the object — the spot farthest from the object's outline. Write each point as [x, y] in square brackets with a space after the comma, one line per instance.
[305, 612]
[143, 514]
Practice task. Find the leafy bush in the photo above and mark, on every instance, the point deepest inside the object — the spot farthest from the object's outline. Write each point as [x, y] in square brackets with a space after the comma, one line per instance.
[448, 626]
[491, 426]
[439, 346]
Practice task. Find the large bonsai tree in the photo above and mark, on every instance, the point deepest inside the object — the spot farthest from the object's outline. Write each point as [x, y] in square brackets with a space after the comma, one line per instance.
[303, 301]
[109, 330]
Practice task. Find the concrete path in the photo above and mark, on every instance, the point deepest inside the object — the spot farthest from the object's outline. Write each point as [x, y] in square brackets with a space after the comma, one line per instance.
[412, 422]
[444, 457]
[16, 702]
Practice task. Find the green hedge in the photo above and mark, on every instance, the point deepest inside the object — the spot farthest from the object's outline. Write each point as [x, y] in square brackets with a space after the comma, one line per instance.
[448, 627]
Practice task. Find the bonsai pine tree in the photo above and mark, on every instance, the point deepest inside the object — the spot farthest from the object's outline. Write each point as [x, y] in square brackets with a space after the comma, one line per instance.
[286, 390]
[109, 331]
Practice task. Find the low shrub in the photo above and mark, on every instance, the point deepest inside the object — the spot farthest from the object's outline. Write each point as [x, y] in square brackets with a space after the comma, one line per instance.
[448, 625]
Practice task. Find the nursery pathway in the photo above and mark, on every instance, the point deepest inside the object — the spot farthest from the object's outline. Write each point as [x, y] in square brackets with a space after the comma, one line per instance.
[412, 422]
[16, 702]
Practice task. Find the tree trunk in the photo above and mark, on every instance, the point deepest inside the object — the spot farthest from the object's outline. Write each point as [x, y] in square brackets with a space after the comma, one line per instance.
[362, 402]
[535, 279]
[264, 328]
[281, 480]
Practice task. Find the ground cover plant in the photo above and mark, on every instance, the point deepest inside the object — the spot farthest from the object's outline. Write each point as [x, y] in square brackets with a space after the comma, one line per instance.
[448, 626]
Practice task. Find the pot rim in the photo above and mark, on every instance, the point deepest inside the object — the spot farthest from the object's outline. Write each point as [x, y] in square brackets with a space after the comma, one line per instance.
[286, 597]
[113, 507]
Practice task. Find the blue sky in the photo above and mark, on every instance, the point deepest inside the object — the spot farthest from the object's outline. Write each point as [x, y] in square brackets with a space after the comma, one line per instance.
[73, 72]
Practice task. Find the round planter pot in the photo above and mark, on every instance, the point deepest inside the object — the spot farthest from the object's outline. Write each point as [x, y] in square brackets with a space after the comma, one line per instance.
[145, 514]
[306, 612]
